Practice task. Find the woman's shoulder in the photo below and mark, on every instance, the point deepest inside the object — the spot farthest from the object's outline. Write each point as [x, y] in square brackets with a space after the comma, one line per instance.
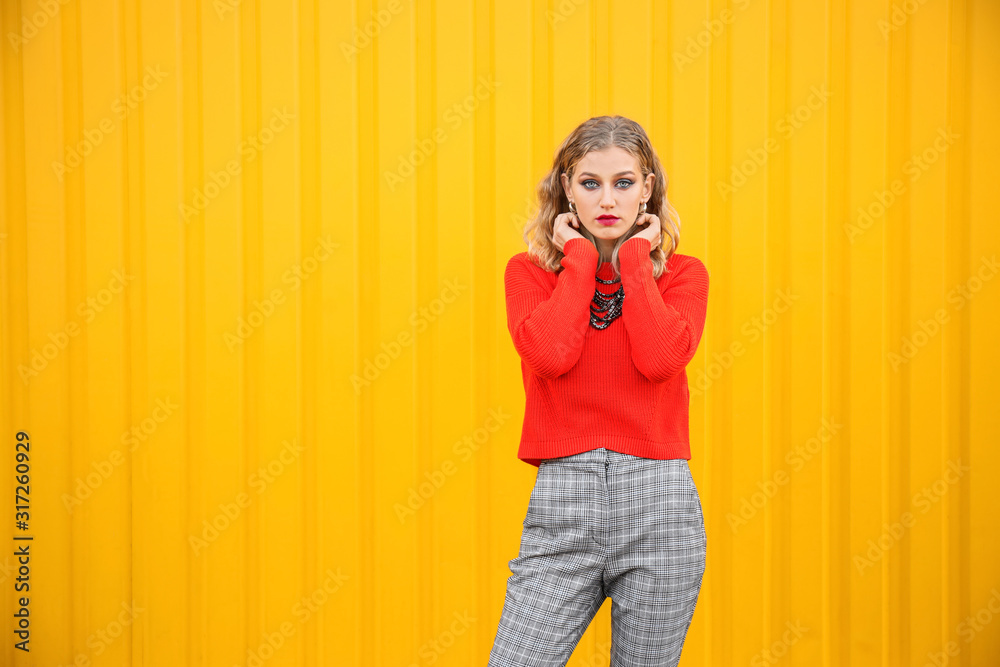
[683, 268]
[521, 270]
[522, 261]
[681, 262]
[518, 257]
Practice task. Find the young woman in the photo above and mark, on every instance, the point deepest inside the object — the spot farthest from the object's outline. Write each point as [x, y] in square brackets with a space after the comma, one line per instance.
[605, 319]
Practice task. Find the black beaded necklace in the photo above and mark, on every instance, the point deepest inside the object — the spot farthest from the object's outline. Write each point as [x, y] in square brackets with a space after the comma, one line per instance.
[606, 307]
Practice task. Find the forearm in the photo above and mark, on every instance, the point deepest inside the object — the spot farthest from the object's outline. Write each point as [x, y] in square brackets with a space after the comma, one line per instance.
[663, 328]
[548, 333]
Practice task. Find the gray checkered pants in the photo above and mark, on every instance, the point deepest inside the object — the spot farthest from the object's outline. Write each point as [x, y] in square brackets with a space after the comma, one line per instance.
[605, 524]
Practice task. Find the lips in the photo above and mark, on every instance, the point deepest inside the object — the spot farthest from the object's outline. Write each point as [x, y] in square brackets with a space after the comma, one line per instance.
[607, 220]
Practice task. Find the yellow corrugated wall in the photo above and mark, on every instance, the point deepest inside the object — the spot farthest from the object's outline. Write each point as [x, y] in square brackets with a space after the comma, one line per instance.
[253, 327]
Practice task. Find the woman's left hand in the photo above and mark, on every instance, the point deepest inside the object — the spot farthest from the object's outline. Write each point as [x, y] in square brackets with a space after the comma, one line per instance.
[652, 230]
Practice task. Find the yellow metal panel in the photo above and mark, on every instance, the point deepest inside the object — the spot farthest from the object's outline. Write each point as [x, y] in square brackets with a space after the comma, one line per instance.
[252, 320]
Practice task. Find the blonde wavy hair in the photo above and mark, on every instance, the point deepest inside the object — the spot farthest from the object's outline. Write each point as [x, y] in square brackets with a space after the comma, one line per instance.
[592, 135]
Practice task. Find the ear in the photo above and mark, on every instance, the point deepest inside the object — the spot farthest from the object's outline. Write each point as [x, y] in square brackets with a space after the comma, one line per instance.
[647, 191]
[565, 184]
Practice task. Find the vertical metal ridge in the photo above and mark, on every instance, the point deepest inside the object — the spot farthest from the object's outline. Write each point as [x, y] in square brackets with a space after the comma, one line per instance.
[959, 602]
[719, 153]
[131, 53]
[606, 82]
[650, 99]
[250, 364]
[776, 77]
[77, 265]
[367, 328]
[484, 272]
[424, 280]
[72, 101]
[835, 325]
[309, 320]
[896, 313]
[194, 354]
[541, 90]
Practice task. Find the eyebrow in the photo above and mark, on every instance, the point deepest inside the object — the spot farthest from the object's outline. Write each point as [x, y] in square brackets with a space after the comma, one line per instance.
[620, 173]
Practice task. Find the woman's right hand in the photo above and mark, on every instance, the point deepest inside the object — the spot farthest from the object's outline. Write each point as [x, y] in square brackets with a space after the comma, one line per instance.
[565, 228]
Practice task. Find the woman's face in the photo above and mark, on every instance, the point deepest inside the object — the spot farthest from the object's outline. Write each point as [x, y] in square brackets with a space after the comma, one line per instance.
[608, 183]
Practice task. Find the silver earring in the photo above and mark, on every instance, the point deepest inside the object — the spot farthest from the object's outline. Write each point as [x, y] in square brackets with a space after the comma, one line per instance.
[642, 208]
[572, 206]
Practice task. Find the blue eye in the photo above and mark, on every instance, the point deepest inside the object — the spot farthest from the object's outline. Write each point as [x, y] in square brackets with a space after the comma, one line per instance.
[620, 180]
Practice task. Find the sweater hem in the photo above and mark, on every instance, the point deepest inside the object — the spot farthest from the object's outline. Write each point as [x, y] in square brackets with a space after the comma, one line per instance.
[533, 453]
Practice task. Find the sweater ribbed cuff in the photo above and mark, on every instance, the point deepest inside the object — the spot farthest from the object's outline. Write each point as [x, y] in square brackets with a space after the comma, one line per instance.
[579, 246]
[635, 248]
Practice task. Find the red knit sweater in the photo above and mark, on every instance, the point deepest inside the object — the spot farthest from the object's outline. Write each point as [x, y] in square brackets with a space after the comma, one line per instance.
[623, 387]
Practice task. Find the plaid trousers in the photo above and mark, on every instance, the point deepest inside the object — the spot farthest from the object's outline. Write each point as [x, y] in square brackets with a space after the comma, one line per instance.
[605, 524]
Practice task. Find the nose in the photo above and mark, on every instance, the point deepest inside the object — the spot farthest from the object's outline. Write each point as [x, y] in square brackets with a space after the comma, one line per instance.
[607, 198]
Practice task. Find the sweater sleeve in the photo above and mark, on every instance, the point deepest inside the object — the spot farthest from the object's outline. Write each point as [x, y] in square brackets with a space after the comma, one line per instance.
[548, 329]
[664, 328]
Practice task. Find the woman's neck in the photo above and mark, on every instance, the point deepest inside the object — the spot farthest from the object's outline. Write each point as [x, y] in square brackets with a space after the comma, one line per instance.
[605, 248]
